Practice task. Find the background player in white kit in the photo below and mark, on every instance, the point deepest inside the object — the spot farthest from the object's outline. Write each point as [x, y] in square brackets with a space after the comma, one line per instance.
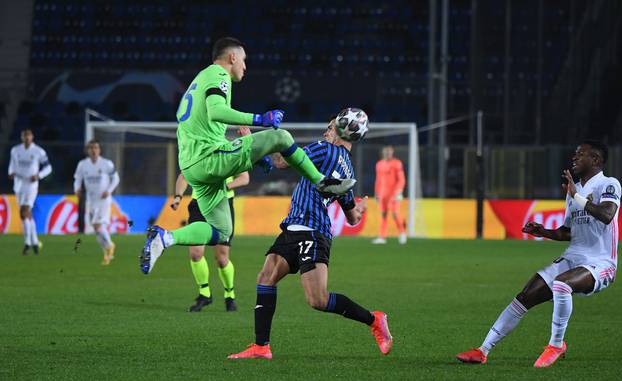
[100, 179]
[587, 266]
[29, 163]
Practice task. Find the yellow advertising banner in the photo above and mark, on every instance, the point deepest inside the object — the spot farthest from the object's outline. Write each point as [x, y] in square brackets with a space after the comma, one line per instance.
[254, 215]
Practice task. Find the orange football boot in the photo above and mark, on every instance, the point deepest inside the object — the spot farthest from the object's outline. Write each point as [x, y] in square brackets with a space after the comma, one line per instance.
[380, 330]
[550, 355]
[474, 356]
[253, 351]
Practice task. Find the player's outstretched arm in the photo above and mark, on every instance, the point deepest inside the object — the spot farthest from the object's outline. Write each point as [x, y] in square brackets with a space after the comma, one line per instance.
[219, 111]
[562, 233]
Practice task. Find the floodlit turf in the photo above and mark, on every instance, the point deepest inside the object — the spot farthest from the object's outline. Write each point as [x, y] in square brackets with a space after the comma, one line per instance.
[64, 316]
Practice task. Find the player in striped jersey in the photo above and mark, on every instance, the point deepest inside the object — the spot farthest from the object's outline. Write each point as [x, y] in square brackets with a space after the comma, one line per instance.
[587, 266]
[304, 245]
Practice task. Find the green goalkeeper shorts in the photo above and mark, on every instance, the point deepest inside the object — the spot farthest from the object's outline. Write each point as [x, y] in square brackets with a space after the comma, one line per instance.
[207, 176]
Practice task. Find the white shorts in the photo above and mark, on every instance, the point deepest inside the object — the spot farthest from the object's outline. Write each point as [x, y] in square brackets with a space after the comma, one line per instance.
[604, 272]
[27, 196]
[99, 211]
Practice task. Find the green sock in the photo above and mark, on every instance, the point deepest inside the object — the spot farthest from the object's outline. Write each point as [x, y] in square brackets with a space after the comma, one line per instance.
[301, 162]
[201, 276]
[226, 275]
[196, 234]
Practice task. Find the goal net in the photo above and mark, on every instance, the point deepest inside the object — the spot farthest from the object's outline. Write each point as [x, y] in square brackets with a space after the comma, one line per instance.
[145, 154]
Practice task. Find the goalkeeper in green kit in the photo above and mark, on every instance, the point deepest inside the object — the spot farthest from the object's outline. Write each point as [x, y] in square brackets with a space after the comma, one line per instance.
[207, 158]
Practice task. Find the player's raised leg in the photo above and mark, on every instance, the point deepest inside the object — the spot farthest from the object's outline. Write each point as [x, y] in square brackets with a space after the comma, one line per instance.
[315, 282]
[535, 292]
[274, 269]
[273, 141]
[216, 229]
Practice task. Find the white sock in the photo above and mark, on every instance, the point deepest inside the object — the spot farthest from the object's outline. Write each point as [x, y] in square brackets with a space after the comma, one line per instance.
[33, 232]
[562, 309]
[103, 237]
[26, 226]
[506, 322]
[103, 231]
[167, 238]
[100, 239]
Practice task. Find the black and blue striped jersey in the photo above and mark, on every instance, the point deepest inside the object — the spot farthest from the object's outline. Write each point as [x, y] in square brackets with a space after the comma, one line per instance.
[308, 207]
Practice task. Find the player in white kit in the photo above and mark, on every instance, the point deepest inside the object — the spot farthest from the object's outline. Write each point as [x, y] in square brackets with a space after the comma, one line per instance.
[100, 179]
[29, 163]
[587, 266]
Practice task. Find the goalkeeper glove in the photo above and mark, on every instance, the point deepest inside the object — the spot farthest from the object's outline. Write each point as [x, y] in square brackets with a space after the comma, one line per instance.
[270, 118]
[265, 163]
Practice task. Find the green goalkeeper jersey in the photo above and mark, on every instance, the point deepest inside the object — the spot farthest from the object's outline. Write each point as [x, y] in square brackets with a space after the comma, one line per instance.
[203, 115]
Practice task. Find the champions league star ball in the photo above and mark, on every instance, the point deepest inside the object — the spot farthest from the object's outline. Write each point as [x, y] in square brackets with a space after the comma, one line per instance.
[351, 124]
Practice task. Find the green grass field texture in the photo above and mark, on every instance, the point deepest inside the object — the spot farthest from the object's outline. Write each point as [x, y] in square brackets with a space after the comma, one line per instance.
[64, 316]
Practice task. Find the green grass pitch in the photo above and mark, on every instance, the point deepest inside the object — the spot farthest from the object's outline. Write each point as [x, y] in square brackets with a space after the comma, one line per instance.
[63, 316]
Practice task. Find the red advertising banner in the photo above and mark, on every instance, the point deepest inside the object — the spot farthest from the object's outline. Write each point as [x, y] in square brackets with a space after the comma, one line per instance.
[514, 214]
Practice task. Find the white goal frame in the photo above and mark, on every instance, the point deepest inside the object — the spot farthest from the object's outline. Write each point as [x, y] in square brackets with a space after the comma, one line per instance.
[95, 121]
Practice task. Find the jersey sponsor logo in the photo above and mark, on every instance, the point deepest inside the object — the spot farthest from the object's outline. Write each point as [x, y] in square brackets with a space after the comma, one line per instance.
[224, 86]
[4, 214]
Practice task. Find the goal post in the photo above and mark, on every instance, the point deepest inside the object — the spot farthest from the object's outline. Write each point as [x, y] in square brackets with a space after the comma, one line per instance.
[156, 142]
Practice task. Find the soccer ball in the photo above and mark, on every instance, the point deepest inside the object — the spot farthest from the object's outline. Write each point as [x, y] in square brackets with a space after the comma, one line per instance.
[351, 124]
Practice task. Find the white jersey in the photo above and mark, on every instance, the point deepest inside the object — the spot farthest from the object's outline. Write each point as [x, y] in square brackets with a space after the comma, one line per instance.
[98, 177]
[591, 240]
[25, 163]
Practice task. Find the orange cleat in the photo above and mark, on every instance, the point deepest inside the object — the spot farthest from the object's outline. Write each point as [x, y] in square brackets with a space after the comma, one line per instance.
[474, 356]
[253, 351]
[550, 355]
[380, 330]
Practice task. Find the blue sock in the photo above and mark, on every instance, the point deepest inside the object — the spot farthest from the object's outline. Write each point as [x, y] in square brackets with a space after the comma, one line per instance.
[264, 311]
[342, 305]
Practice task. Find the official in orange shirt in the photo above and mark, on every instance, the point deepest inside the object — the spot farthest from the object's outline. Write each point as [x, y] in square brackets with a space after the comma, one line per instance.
[390, 182]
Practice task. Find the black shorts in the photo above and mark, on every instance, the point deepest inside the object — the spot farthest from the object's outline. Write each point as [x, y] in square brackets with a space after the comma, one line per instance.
[194, 215]
[301, 249]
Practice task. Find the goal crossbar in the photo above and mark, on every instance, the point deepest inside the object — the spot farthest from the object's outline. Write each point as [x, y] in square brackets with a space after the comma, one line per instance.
[386, 129]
